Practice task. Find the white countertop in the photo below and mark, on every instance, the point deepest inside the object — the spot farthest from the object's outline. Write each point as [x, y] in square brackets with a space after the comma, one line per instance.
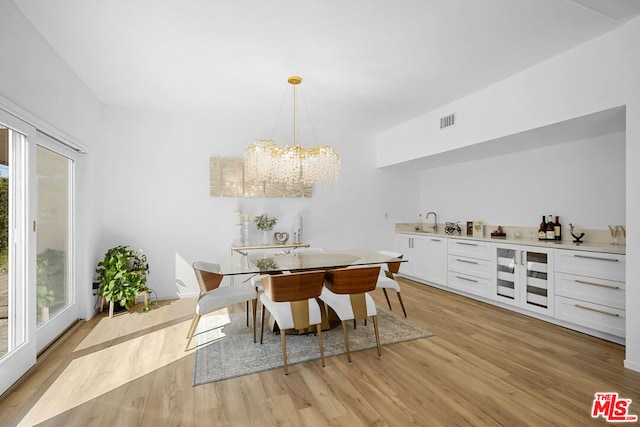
[564, 244]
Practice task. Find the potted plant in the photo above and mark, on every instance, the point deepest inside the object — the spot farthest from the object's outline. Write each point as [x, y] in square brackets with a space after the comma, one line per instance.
[122, 275]
[265, 223]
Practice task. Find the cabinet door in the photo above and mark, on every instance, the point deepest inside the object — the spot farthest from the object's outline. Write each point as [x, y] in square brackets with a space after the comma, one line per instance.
[507, 278]
[537, 279]
[412, 247]
[435, 260]
[524, 277]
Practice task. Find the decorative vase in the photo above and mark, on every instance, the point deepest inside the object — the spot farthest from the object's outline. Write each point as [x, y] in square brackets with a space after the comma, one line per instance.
[265, 237]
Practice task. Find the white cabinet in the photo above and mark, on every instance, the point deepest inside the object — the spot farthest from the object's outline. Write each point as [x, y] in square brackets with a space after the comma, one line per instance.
[435, 260]
[413, 249]
[524, 277]
[590, 290]
[470, 267]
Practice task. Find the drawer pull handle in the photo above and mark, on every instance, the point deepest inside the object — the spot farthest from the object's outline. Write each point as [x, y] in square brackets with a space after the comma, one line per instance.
[597, 258]
[467, 244]
[436, 240]
[467, 279]
[602, 285]
[468, 262]
[597, 311]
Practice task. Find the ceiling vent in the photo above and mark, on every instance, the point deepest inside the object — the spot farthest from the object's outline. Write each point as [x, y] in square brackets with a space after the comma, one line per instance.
[448, 121]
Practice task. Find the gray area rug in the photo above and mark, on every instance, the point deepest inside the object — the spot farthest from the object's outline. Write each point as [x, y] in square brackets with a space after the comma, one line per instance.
[225, 347]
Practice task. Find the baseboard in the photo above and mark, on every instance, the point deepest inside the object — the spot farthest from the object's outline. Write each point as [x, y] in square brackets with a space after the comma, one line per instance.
[634, 366]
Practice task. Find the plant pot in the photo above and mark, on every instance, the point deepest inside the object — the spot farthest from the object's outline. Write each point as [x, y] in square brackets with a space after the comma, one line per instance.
[265, 237]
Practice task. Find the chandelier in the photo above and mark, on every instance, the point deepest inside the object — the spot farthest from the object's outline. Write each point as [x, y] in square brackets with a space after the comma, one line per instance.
[292, 164]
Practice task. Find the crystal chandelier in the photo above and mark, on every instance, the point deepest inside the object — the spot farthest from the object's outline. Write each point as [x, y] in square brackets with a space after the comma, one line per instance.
[267, 161]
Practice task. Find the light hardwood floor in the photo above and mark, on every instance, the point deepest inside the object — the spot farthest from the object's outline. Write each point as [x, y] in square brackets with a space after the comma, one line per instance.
[485, 366]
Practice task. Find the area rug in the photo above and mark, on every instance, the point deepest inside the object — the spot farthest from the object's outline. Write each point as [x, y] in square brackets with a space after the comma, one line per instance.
[225, 348]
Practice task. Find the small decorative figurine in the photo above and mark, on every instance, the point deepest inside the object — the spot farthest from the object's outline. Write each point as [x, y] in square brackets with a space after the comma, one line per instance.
[578, 239]
[281, 238]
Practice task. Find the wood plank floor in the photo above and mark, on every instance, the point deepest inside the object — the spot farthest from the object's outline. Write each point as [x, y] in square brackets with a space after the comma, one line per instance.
[485, 366]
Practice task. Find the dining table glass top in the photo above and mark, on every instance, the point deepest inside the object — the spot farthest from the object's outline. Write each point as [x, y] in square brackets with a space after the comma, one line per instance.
[274, 263]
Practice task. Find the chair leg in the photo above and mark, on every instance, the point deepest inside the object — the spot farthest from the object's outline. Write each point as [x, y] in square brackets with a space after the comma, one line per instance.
[283, 337]
[402, 304]
[262, 322]
[346, 339]
[375, 327]
[254, 307]
[192, 330]
[387, 297]
[319, 326]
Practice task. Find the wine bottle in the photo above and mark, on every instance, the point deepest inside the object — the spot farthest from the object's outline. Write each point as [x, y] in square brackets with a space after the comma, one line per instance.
[551, 235]
[542, 231]
[557, 229]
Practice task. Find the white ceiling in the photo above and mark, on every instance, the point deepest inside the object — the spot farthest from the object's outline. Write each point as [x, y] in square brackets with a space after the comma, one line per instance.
[369, 64]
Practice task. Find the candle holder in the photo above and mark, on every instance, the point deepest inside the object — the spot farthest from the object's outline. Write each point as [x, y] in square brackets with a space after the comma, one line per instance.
[613, 230]
[246, 232]
[237, 238]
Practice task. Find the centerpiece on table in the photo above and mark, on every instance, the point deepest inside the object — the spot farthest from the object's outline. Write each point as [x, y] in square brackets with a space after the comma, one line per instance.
[265, 223]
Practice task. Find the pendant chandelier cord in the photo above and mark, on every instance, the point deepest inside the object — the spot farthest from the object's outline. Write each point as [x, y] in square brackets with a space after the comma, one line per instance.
[295, 117]
[306, 108]
[284, 98]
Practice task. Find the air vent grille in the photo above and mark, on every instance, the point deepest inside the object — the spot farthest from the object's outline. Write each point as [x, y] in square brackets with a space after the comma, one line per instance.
[447, 121]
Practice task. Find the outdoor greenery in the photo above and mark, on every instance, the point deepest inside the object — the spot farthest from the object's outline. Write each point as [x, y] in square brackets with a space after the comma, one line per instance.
[50, 282]
[265, 222]
[122, 275]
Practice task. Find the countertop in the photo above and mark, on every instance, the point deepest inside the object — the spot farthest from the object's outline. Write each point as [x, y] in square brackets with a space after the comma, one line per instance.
[564, 244]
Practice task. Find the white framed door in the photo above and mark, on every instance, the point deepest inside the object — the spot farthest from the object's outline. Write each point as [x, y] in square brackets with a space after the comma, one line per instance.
[17, 329]
[56, 303]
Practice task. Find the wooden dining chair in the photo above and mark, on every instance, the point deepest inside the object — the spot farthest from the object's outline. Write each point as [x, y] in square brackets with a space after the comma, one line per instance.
[257, 279]
[386, 279]
[214, 297]
[345, 291]
[291, 300]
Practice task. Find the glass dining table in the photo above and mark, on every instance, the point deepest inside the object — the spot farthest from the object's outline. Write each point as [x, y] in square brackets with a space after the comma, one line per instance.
[272, 263]
[240, 264]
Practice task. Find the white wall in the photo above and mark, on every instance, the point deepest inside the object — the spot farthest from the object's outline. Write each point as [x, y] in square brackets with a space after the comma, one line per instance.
[35, 80]
[596, 76]
[155, 192]
[582, 181]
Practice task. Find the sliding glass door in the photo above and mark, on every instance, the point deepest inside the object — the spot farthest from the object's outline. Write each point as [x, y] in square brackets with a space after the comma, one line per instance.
[17, 299]
[55, 297]
[37, 286]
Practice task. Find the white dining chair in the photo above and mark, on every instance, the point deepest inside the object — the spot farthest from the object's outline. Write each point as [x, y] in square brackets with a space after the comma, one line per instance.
[346, 292]
[386, 279]
[214, 297]
[291, 300]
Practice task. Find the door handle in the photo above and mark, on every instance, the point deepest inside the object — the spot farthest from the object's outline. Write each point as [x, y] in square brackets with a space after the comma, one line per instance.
[597, 311]
[597, 258]
[602, 285]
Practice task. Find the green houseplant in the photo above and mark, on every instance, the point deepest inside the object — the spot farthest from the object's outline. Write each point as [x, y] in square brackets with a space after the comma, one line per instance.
[122, 275]
[265, 223]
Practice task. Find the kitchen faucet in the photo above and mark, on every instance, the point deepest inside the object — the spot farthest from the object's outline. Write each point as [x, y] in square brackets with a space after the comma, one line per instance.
[435, 220]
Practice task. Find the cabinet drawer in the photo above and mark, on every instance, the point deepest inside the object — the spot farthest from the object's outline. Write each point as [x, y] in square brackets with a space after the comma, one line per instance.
[471, 266]
[594, 316]
[470, 248]
[471, 284]
[592, 264]
[592, 289]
